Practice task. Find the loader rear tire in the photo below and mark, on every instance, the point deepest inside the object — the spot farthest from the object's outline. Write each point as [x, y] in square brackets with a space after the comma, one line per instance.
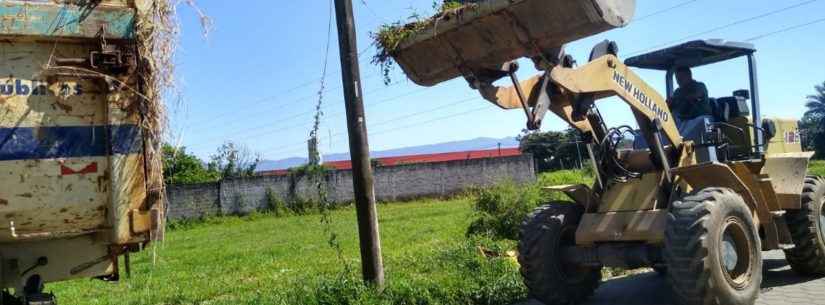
[807, 227]
[543, 234]
[712, 249]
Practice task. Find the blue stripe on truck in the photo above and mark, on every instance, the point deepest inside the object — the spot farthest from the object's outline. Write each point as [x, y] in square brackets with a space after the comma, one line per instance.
[24, 143]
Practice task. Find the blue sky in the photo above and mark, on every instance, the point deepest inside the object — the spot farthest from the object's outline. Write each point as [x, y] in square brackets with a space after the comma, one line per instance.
[255, 79]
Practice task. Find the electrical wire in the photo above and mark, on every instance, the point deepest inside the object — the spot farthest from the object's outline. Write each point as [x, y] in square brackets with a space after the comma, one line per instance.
[289, 148]
[786, 29]
[725, 26]
[662, 11]
[299, 115]
[283, 129]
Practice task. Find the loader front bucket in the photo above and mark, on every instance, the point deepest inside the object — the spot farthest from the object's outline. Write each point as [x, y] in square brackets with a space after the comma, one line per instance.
[491, 32]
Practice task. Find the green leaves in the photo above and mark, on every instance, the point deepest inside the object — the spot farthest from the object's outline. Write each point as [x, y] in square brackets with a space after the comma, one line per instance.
[182, 168]
[500, 210]
[554, 150]
[812, 125]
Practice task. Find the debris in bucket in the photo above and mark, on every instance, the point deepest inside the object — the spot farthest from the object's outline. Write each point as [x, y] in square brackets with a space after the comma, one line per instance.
[389, 36]
[469, 38]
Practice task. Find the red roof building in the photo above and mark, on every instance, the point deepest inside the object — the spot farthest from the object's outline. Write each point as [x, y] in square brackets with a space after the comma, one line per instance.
[415, 159]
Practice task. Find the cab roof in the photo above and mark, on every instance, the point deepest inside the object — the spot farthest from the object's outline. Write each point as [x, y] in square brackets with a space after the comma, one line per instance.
[691, 54]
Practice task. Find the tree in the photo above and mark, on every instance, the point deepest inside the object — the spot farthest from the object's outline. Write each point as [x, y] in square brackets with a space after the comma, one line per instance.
[816, 103]
[808, 131]
[234, 160]
[553, 150]
[812, 126]
[182, 168]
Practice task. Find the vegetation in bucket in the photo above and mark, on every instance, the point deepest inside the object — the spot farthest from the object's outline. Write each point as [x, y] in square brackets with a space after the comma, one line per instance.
[390, 36]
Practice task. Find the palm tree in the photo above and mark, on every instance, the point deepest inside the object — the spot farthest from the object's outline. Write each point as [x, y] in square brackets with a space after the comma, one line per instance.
[816, 105]
[813, 123]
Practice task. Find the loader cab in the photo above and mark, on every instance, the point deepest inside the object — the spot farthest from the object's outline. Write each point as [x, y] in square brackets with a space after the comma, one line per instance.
[741, 124]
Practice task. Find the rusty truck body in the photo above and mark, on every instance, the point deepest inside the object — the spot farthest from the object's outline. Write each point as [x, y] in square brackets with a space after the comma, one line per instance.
[77, 190]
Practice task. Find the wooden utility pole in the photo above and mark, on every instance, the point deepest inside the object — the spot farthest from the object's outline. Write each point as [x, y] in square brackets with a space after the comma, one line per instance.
[372, 265]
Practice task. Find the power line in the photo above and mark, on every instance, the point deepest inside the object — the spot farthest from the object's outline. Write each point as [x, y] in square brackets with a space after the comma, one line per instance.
[287, 148]
[283, 129]
[259, 112]
[397, 128]
[434, 120]
[722, 27]
[301, 114]
[373, 13]
[299, 86]
[263, 99]
[786, 29]
[396, 119]
[415, 114]
[665, 10]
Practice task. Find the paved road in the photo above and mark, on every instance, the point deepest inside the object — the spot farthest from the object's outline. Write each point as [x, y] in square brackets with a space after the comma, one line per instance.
[780, 287]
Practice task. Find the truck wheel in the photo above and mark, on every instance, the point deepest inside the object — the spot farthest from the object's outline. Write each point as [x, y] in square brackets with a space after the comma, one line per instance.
[713, 250]
[807, 227]
[543, 234]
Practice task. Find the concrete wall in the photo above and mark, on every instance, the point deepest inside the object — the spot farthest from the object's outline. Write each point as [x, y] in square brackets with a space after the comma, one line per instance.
[193, 201]
[242, 196]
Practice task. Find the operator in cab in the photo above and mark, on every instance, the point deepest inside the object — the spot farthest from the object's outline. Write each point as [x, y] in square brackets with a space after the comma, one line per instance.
[690, 100]
[690, 105]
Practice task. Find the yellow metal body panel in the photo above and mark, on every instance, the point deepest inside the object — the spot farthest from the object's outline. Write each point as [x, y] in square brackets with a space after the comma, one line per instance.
[759, 184]
[604, 77]
[579, 193]
[721, 175]
[787, 172]
[69, 258]
[38, 202]
[646, 226]
[787, 138]
[633, 195]
[607, 76]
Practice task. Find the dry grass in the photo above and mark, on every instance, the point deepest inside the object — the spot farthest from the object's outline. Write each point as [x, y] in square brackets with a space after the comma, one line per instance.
[390, 36]
[157, 35]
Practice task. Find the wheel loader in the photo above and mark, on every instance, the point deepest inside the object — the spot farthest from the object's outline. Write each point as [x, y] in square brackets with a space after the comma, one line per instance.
[697, 200]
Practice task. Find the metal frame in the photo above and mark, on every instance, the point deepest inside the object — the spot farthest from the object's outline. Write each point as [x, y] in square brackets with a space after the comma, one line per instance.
[755, 104]
[658, 60]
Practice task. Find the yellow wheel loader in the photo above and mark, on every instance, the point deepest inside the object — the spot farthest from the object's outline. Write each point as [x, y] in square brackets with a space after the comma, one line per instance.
[698, 200]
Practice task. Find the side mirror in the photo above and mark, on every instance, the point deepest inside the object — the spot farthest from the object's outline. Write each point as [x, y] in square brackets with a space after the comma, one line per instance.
[745, 94]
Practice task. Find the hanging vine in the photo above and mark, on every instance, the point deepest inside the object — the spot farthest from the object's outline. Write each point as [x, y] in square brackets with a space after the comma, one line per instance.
[317, 173]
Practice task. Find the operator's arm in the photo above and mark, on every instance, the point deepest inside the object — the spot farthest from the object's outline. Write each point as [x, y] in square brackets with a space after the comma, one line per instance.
[698, 91]
[691, 102]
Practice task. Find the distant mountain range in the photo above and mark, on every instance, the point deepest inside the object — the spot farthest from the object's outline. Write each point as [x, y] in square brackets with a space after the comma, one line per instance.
[474, 144]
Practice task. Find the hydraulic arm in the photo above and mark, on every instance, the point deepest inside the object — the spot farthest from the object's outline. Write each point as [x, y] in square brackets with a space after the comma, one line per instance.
[570, 93]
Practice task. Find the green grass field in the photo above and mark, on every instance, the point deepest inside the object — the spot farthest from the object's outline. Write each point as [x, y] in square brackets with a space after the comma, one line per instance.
[817, 168]
[268, 260]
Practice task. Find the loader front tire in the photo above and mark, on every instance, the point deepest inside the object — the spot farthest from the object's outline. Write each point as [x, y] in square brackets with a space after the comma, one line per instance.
[807, 227]
[543, 234]
[712, 249]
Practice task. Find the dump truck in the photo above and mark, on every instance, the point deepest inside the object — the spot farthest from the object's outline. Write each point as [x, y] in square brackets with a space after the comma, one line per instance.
[80, 185]
[698, 199]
